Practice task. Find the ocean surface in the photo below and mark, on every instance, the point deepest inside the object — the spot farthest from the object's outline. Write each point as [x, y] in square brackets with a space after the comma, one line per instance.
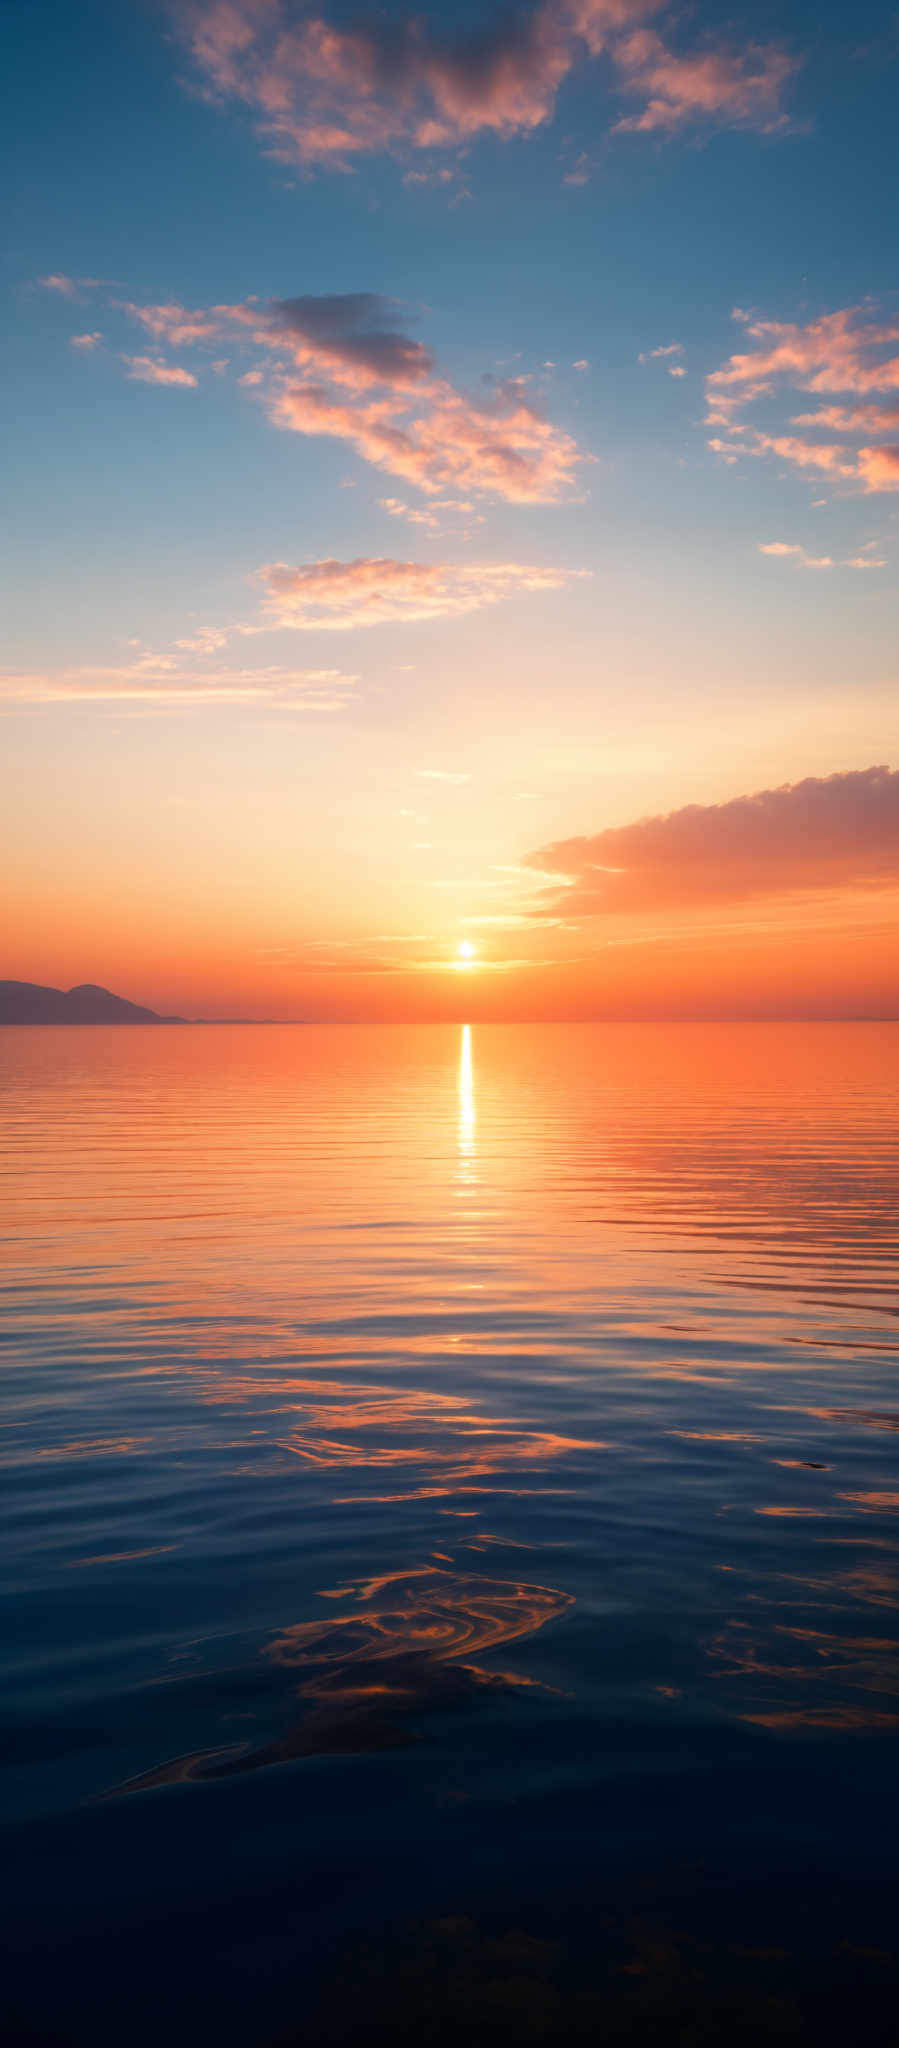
[450, 1513]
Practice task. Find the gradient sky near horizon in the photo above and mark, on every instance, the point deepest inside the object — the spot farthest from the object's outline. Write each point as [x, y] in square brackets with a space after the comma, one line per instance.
[455, 503]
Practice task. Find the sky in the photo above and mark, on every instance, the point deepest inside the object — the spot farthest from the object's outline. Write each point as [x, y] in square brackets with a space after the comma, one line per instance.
[454, 505]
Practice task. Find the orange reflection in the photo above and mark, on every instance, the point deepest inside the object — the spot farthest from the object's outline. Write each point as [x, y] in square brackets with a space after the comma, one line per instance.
[443, 1435]
[777, 1680]
[397, 1650]
[466, 1096]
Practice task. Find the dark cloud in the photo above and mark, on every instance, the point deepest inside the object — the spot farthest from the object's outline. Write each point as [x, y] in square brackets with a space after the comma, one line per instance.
[356, 328]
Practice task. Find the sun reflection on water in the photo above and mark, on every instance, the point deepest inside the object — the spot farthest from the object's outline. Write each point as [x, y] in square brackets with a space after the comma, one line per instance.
[467, 1112]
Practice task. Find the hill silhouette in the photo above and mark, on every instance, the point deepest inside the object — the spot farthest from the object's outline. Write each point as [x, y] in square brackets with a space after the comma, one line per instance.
[26, 1002]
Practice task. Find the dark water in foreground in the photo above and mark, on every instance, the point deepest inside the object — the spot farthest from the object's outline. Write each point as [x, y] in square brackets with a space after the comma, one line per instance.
[452, 1484]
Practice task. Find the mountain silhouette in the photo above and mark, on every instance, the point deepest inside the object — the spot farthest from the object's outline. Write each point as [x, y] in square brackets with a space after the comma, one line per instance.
[26, 1002]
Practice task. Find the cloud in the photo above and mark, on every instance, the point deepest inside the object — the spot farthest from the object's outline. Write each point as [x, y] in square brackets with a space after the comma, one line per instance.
[326, 92]
[785, 547]
[739, 88]
[145, 370]
[350, 332]
[418, 515]
[502, 449]
[333, 595]
[847, 352]
[859, 419]
[807, 561]
[344, 366]
[162, 681]
[669, 348]
[581, 170]
[879, 468]
[85, 341]
[58, 282]
[834, 832]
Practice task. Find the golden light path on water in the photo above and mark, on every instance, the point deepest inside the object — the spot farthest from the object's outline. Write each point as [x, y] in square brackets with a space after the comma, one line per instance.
[467, 1114]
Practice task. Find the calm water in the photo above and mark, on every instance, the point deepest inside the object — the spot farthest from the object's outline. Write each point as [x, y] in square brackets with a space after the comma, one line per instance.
[451, 1483]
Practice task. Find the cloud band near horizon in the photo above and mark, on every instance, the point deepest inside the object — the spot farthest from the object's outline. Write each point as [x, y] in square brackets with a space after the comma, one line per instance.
[825, 833]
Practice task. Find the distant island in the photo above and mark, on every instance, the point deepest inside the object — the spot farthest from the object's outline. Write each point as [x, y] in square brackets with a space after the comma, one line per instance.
[26, 1002]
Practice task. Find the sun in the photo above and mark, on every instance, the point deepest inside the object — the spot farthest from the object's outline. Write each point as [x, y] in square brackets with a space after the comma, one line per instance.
[466, 955]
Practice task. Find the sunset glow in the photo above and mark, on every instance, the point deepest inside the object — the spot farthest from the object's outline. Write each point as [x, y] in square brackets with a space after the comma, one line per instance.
[477, 604]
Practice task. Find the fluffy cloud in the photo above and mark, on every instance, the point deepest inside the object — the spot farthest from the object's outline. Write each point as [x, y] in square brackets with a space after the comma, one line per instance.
[336, 595]
[847, 352]
[344, 366]
[328, 93]
[837, 831]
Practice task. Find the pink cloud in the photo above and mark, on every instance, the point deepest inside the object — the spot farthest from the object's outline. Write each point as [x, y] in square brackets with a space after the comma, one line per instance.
[147, 371]
[327, 93]
[799, 554]
[85, 341]
[334, 595]
[173, 324]
[837, 831]
[740, 87]
[847, 351]
[344, 366]
[805, 454]
[161, 681]
[879, 468]
[859, 419]
[502, 450]
[669, 348]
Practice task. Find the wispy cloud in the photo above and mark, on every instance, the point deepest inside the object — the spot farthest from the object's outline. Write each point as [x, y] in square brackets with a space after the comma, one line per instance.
[58, 282]
[329, 92]
[334, 595]
[664, 355]
[800, 555]
[833, 832]
[146, 370]
[848, 352]
[168, 683]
